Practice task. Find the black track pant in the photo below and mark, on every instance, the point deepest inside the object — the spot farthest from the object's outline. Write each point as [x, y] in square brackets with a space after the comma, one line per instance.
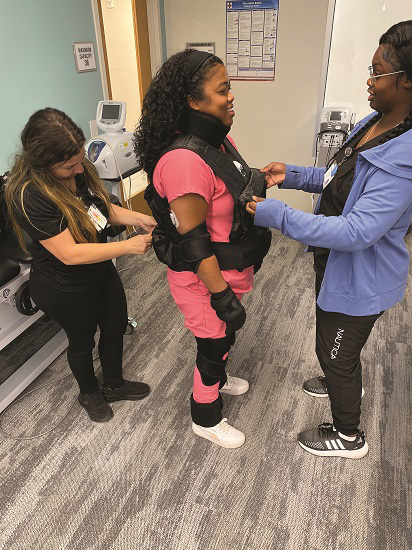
[79, 314]
[339, 341]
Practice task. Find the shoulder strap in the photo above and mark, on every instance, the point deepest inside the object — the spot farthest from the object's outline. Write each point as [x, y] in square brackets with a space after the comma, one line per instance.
[231, 149]
[221, 163]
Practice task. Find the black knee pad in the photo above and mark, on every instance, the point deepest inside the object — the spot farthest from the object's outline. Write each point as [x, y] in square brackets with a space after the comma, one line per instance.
[206, 414]
[209, 360]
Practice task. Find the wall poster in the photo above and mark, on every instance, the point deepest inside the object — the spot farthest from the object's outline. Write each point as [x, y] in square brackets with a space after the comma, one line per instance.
[251, 29]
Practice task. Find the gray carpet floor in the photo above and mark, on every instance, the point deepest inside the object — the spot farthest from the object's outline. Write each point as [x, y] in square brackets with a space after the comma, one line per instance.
[144, 481]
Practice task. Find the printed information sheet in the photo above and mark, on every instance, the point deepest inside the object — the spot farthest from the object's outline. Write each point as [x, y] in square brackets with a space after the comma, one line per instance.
[251, 28]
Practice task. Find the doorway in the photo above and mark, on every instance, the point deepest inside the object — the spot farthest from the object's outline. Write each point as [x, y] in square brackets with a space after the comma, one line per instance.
[125, 50]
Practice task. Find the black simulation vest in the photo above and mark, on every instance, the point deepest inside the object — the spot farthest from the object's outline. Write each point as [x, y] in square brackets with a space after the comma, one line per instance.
[248, 244]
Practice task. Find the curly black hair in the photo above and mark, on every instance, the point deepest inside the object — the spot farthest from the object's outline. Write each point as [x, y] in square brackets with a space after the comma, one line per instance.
[164, 104]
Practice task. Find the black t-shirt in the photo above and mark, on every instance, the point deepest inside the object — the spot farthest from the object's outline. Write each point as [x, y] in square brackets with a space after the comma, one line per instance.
[336, 193]
[44, 220]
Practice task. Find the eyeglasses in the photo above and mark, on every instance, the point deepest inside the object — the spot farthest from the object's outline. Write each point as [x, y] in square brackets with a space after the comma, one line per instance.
[374, 76]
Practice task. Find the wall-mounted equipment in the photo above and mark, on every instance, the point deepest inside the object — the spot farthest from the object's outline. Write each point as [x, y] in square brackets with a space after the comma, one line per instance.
[335, 125]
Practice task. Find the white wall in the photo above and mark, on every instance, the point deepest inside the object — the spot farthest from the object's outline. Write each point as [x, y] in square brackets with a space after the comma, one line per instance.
[124, 78]
[154, 24]
[121, 53]
[274, 120]
[357, 27]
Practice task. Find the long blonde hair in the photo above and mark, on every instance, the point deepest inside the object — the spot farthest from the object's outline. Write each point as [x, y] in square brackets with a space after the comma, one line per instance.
[51, 137]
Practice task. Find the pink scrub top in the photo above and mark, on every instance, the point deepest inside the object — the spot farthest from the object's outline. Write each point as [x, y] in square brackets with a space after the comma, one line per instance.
[180, 172]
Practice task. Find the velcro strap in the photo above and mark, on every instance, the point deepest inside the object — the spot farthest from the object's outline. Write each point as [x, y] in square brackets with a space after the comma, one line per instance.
[239, 255]
[209, 367]
[255, 186]
[195, 245]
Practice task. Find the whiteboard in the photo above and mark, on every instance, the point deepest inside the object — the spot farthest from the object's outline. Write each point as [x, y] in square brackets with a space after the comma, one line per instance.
[357, 27]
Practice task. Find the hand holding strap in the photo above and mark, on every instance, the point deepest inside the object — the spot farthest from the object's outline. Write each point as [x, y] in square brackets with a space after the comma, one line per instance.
[256, 186]
[229, 309]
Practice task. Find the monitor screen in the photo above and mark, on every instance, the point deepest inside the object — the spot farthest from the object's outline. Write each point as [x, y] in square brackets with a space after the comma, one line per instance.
[111, 112]
[335, 115]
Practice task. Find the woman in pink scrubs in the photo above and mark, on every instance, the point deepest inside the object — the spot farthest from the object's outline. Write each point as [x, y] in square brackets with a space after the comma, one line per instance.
[190, 96]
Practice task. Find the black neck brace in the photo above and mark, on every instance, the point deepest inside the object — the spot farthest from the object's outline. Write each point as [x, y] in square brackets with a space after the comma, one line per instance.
[204, 126]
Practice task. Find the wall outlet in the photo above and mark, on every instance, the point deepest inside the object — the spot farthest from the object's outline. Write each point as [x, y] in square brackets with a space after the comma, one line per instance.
[110, 4]
[94, 132]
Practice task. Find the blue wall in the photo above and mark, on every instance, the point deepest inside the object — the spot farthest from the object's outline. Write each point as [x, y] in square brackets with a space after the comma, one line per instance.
[37, 67]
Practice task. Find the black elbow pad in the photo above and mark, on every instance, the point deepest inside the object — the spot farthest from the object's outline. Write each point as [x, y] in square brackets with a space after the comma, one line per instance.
[195, 246]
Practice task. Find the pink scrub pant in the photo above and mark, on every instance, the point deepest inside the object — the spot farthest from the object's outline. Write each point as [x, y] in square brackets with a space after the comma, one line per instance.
[193, 301]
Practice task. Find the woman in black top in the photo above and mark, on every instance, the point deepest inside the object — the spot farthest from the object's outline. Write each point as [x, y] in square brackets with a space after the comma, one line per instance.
[55, 195]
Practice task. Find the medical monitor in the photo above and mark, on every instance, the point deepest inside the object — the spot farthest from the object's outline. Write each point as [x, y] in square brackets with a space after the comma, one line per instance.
[111, 115]
[335, 115]
[111, 112]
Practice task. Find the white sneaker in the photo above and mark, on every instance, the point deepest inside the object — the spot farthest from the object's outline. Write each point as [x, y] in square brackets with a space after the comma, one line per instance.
[235, 386]
[222, 434]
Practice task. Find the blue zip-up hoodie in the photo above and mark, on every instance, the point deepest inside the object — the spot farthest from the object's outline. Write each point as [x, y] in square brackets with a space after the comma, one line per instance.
[367, 268]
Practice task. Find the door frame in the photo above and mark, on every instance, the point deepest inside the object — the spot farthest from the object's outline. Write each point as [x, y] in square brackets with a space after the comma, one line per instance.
[142, 45]
[144, 67]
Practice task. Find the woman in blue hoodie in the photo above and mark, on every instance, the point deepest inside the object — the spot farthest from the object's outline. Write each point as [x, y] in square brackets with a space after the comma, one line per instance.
[357, 236]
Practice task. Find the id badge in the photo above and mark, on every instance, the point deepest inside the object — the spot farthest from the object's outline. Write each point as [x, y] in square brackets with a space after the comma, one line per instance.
[329, 175]
[99, 221]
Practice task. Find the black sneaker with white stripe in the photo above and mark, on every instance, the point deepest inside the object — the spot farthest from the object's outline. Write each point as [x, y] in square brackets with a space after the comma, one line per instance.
[326, 441]
[317, 387]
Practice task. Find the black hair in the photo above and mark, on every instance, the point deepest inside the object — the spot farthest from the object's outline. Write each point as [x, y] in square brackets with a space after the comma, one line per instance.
[398, 52]
[164, 104]
[397, 42]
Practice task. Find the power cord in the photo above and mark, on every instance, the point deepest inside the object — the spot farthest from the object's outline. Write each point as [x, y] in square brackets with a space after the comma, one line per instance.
[127, 197]
[3, 433]
[6, 435]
